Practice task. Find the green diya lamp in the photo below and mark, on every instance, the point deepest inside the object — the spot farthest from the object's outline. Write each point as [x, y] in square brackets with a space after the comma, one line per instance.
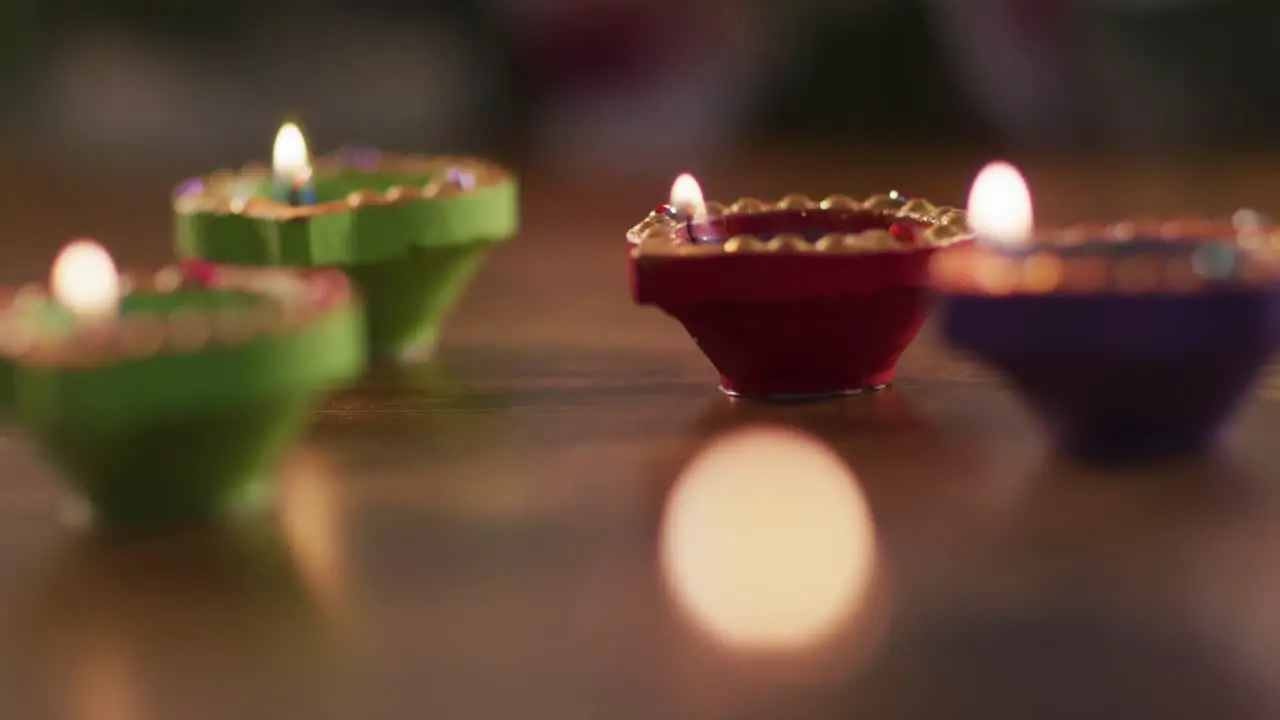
[170, 396]
[410, 231]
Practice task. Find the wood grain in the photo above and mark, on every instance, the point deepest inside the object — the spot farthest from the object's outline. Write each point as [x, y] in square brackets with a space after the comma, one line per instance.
[475, 538]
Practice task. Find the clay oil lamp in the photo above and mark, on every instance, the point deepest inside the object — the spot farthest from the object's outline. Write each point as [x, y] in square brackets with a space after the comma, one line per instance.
[410, 231]
[797, 299]
[167, 397]
[1131, 340]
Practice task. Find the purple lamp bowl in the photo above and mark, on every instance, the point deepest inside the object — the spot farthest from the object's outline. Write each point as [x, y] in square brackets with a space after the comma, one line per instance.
[1125, 349]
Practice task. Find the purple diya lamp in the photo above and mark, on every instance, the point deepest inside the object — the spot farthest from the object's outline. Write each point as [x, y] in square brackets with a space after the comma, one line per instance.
[1130, 341]
[168, 397]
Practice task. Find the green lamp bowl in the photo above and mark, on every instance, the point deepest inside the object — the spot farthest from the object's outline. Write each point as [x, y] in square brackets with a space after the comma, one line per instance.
[179, 410]
[410, 231]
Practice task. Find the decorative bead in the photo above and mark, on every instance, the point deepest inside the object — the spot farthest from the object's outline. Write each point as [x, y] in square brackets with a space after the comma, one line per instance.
[796, 201]
[882, 203]
[401, 193]
[789, 243]
[461, 179]
[360, 198]
[747, 206]
[839, 202]
[167, 279]
[644, 226]
[1215, 261]
[189, 188]
[903, 233]
[952, 216]
[1253, 240]
[875, 240]
[743, 243]
[996, 274]
[918, 207]
[829, 243]
[256, 205]
[1249, 220]
[943, 234]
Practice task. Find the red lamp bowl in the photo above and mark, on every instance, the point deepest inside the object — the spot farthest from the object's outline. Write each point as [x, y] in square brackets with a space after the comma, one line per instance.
[796, 300]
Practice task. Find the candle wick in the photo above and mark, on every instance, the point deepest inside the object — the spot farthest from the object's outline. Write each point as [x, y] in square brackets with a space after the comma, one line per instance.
[690, 225]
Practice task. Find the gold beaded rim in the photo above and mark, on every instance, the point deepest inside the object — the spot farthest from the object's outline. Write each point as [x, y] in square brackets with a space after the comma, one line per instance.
[1044, 271]
[292, 300]
[1185, 229]
[659, 234]
[221, 192]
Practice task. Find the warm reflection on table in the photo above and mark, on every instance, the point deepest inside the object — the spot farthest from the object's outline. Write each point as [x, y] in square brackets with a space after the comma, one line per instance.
[479, 537]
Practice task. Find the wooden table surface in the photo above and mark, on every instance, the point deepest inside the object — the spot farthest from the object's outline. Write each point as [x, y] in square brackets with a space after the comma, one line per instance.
[476, 538]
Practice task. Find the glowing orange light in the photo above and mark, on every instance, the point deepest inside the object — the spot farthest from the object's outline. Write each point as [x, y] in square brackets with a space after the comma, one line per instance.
[290, 160]
[312, 523]
[767, 542]
[84, 280]
[1000, 207]
[686, 197]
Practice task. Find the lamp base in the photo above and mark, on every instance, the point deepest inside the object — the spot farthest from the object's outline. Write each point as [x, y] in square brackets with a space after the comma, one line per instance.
[1123, 377]
[806, 351]
[1119, 445]
[207, 469]
[408, 298]
[801, 398]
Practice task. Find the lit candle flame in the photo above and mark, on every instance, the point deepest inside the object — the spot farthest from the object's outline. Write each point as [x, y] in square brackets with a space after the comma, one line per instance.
[1000, 205]
[290, 160]
[686, 197]
[85, 281]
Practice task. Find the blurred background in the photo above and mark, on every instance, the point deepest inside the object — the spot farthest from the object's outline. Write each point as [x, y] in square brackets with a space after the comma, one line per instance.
[610, 83]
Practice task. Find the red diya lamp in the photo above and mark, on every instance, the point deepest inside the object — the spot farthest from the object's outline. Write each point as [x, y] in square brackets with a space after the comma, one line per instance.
[1131, 340]
[798, 299]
